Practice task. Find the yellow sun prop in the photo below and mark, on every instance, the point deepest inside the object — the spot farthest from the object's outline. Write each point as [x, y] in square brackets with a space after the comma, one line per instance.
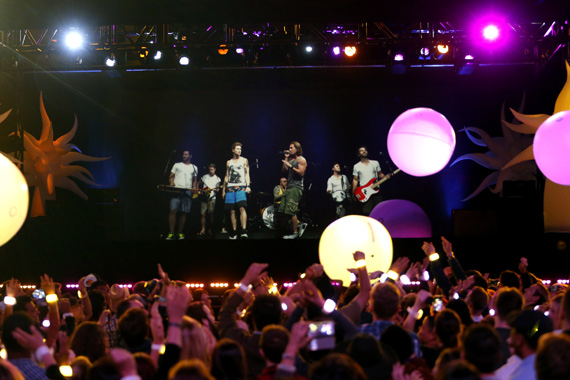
[46, 164]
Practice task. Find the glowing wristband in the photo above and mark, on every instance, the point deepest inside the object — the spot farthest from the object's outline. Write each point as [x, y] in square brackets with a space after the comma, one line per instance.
[41, 352]
[244, 287]
[51, 298]
[157, 347]
[360, 263]
[393, 275]
[415, 314]
[405, 280]
[329, 306]
[66, 370]
[80, 295]
[8, 300]
[434, 257]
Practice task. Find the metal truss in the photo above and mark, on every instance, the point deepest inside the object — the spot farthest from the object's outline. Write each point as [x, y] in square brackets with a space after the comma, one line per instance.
[376, 41]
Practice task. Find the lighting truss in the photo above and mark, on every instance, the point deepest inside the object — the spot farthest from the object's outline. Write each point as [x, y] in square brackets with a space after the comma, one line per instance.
[277, 44]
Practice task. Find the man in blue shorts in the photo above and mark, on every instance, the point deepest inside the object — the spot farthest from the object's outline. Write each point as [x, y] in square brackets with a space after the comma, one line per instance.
[236, 186]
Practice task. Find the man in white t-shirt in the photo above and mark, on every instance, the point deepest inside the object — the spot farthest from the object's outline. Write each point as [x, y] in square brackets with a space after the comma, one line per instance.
[338, 187]
[183, 174]
[364, 172]
[211, 183]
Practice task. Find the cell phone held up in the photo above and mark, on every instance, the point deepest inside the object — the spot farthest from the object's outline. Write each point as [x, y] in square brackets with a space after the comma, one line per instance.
[323, 334]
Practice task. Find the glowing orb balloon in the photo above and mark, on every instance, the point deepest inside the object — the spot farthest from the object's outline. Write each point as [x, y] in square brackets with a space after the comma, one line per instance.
[13, 200]
[551, 148]
[354, 233]
[402, 219]
[421, 141]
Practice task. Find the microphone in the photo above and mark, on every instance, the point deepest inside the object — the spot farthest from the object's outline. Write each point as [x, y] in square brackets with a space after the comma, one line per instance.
[283, 152]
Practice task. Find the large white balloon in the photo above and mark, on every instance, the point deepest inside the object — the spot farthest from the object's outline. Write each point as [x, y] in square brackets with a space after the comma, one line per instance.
[421, 141]
[354, 233]
[14, 199]
[551, 148]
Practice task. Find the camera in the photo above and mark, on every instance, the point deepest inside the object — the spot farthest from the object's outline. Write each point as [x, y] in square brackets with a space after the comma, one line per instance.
[437, 304]
[323, 334]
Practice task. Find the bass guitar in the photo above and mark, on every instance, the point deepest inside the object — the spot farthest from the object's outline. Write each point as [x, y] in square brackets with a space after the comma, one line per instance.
[364, 192]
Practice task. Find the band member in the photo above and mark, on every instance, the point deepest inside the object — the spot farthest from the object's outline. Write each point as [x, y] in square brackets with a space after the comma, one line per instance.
[210, 182]
[236, 186]
[279, 190]
[183, 174]
[363, 172]
[295, 165]
[338, 187]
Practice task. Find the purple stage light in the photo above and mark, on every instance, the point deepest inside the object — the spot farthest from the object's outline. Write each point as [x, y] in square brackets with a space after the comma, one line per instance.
[239, 50]
[336, 50]
[399, 57]
[491, 32]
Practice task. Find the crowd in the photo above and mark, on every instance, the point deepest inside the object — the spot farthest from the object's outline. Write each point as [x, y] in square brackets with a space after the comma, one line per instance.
[450, 324]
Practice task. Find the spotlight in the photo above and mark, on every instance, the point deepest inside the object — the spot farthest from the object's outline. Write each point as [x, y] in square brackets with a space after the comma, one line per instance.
[350, 51]
[110, 61]
[336, 50]
[183, 60]
[308, 49]
[239, 50]
[469, 57]
[399, 57]
[223, 50]
[491, 32]
[143, 53]
[424, 51]
[73, 40]
[157, 55]
[442, 49]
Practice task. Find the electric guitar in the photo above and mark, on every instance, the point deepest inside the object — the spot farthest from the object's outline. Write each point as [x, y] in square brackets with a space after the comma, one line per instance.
[364, 192]
[175, 189]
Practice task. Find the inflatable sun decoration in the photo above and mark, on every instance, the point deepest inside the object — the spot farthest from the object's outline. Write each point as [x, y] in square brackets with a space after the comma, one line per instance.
[556, 204]
[501, 151]
[47, 164]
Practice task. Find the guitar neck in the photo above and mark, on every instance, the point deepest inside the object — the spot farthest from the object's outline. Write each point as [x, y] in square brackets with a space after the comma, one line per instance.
[381, 181]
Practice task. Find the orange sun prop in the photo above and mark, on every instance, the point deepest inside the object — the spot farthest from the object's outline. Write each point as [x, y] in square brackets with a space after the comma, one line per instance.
[46, 164]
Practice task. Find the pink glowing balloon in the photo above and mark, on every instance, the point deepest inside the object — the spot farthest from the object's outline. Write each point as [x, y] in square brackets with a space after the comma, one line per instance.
[551, 148]
[421, 141]
[402, 219]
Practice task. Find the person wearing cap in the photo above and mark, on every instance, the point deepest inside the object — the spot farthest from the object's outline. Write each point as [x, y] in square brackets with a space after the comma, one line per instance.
[527, 326]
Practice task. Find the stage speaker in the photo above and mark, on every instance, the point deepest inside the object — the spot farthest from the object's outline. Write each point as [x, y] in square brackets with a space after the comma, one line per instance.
[471, 223]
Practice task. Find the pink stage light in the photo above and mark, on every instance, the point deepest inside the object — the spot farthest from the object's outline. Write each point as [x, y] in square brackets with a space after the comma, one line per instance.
[491, 32]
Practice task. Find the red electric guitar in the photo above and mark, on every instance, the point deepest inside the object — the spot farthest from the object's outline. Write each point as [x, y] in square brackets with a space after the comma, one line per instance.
[364, 192]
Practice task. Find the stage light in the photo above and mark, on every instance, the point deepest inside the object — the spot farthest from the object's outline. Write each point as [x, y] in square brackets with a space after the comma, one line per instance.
[158, 55]
[421, 141]
[308, 49]
[239, 50]
[469, 57]
[110, 61]
[350, 51]
[491, 32]
[399, 57]
[223, 50]
[424, 51]
[73, 40]
[143, 53]
[336, 50]
[183, 60]
[442, 49]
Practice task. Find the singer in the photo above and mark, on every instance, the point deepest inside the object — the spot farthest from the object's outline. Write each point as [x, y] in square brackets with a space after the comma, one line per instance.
[365, 173]
[295, 165]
